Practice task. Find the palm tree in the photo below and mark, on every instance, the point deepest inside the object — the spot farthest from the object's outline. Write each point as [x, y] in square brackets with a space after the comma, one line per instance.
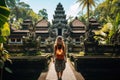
[88, 4]
[15, 6]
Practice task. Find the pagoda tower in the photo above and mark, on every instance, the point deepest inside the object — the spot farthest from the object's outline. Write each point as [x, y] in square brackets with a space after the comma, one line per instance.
[59, 23]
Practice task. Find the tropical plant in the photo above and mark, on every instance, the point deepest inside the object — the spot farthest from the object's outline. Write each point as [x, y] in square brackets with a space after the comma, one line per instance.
[4, 32]
[107, 8]
[103, 35]
[33, 16]
[82, 18]
[115, 23]
[70, 18]
[43, 13]
[4, 26]
[20, 11]
[14, 5]
[87, 3]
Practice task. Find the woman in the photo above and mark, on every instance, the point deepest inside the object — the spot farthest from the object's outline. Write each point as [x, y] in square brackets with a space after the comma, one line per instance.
[59, 56]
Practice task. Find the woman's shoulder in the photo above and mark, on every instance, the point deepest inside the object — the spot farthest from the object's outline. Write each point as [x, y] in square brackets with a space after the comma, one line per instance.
[55, 45]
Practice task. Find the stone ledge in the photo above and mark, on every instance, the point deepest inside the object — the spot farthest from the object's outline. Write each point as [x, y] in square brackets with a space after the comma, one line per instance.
[43, 76]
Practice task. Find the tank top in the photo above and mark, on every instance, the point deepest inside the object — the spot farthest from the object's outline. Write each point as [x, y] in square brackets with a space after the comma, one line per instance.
[59, 54]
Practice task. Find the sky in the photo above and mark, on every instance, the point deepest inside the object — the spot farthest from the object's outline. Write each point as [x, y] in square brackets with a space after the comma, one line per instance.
[70, 6]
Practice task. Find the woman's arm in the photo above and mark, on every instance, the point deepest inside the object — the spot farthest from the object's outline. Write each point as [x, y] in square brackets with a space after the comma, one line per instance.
[65, 53]
[54, 55]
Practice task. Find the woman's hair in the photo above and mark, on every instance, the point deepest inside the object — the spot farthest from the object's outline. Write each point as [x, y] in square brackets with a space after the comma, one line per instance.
[61, 43]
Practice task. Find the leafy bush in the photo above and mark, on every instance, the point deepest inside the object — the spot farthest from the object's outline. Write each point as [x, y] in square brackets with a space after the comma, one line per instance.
[4, 32]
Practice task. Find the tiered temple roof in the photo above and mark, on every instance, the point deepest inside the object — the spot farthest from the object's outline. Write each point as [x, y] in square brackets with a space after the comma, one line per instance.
[93, 24]
[59, 22]
[42, 26]
[26, 24]
[77, 26]
[59, 15]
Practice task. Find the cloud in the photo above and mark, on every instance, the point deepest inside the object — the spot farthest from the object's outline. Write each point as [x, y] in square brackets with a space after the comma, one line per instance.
[73, 10]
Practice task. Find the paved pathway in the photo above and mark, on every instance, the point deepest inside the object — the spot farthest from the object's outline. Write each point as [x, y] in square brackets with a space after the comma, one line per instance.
[67, 74]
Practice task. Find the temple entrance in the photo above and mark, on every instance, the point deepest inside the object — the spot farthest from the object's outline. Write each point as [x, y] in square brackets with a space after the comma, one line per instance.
[59, 32]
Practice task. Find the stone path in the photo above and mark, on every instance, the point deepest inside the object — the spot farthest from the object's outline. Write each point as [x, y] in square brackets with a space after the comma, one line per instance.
[68, 73]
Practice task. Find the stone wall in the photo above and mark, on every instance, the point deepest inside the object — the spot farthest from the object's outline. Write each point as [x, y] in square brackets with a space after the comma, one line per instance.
[26, 68]
[98, 68]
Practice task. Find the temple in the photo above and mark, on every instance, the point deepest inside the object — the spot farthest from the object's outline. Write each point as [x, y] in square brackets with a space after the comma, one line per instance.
[72, 32]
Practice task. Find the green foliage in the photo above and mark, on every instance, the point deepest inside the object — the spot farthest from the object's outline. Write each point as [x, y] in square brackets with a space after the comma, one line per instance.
[17, 23]
[24, 5]
[43, 13]
[32, 15]
[4, 14]
[103, 35]
[4, 31]
[2, 39]
[85, 3]
[39, 53]
[83, 18]
[2, 3]
[4, 55]
[4, 27]
[108, 8]
[21, 10]
[88, 4]
[115, 24]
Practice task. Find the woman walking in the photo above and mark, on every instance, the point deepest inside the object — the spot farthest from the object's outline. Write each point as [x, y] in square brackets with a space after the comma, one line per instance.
[59, 56]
